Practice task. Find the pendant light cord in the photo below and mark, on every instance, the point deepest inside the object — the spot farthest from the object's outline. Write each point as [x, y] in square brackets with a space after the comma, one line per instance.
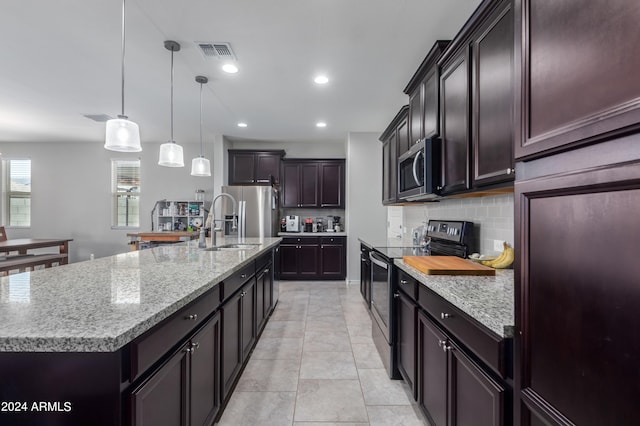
[201, 155]
[172, 141]
[122, 49]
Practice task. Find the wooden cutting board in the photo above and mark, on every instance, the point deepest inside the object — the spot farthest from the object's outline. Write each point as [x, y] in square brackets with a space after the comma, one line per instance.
[447, 265]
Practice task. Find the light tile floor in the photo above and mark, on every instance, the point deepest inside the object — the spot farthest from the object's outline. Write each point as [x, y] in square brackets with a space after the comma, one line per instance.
[316, 364]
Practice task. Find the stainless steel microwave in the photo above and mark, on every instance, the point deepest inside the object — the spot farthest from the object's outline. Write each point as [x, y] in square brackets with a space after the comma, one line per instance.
[419, 171]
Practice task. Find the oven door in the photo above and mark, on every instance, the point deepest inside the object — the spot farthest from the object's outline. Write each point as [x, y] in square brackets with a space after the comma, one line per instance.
[381, 296]
[411, 172]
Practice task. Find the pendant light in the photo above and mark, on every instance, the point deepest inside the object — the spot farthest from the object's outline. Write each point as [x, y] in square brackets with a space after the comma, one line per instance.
[200, 166]
[121, 134]
[170, 152]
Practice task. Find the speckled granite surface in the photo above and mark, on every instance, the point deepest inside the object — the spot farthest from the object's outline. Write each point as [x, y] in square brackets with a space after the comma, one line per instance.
[101, 305]
[489, 300]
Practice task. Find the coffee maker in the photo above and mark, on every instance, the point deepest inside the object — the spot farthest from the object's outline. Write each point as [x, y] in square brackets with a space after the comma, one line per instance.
[293, 223]
[336, 224]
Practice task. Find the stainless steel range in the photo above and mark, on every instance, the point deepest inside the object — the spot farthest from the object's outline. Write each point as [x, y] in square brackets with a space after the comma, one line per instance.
[446, 238]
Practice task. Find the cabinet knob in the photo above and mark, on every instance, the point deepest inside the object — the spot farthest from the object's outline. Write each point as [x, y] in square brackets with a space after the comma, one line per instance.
[192, 317]
[441, 343]
[243, 293]
[243, 275]
[321, 247]
[332, 240]
[188, 350]
[194, 346]
[396, 295]
[510, 170]
[266, 271]
[444, 315]
[403, 281]
[439, 188]
[298, 239]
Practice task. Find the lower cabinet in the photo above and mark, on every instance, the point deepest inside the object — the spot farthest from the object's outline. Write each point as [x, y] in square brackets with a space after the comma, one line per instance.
[443, 366]
[313, 258]
[184, 390]
[238, 334]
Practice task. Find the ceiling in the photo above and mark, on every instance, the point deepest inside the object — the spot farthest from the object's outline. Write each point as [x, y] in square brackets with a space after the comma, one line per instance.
[60, 60]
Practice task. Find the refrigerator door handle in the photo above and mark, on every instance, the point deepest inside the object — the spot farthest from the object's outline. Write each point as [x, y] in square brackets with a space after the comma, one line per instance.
[242, 219]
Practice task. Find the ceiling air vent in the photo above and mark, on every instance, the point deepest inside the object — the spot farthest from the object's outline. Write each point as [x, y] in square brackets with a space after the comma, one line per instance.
[100, 118]
[216, 50]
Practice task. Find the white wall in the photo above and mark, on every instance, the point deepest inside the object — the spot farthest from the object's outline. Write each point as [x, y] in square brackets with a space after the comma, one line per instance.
[366, 217]
[71, 184]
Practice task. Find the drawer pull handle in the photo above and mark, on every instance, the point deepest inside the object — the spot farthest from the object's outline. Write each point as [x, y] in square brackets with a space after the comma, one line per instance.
[445, 315]
[403, 281]
[193, 317]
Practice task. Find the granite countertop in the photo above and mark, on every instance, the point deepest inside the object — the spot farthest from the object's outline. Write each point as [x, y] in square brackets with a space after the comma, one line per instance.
[103, 304]
[489, 300]
[312, 234]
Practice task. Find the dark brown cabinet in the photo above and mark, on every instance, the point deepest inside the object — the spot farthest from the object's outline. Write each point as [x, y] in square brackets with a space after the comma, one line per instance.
[585, 90]
[313, 183]
[576, 364]
[493, 98]
[423, 90]
[249, 167]
[452, 389]
[185, 389]
[455, 123]
[305, 258]
[395, 136]
[238, 334]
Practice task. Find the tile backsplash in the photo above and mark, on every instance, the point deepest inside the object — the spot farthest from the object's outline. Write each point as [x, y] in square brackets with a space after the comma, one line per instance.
[492, 217]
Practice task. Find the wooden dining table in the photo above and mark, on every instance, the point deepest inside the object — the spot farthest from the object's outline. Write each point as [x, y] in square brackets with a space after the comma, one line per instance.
[14, 253]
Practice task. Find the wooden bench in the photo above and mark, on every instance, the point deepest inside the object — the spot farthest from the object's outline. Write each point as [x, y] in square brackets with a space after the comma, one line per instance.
[21, 263]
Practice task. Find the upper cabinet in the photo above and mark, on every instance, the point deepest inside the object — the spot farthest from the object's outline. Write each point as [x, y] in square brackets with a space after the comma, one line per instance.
[313, 183]
[394, 136]
[249, 167]
[584, 93]
[424, 91]
[477, 102]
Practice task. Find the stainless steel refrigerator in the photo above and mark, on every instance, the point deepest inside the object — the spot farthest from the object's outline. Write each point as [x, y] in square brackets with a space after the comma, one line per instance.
[258, 211]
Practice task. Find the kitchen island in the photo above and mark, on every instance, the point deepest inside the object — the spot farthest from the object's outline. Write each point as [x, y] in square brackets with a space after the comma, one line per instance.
[90, 342]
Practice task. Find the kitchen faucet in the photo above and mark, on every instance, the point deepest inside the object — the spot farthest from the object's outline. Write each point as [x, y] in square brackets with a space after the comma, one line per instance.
[211, 220]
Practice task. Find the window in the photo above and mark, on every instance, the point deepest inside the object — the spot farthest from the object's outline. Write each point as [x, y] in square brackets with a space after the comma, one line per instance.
[16, 193]
[125, 187]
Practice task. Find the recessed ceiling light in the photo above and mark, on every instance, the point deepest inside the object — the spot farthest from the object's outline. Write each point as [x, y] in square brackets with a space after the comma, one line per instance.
[321, 124]
[321, 79]
[230, 68]
[241, 124]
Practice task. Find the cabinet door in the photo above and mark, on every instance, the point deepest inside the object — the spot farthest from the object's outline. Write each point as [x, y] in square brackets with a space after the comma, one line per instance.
[577, 364]
[231, 360]
[389, 165]
[290, 185]
[415, 119]
[288, 261]
[309, 185]
[162, 399]
[332, 184]
[454, 89]
[248, 323]
[332, 260]
[407, 317]
[588, 90]
[475, 399]
[242, 168]
[205, 373]
[432, 370]
[267, 166]
[308, 260]
[260, 301]
[431, 104]
[493, 99]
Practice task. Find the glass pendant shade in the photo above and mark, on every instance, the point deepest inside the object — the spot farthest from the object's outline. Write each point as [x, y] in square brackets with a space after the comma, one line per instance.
[200, 166]
[122, 135]
[171, 155]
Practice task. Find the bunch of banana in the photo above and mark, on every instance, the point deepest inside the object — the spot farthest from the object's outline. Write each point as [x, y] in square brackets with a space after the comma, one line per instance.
[504, 260]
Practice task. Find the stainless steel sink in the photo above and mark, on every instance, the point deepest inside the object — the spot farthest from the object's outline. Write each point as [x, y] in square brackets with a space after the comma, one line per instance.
[236, 246]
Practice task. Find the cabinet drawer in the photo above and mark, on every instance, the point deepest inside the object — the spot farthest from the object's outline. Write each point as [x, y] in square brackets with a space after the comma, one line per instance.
[263, 261]
[485, 345]
[300, 240]
[408, 285]
[155, 343]
[332, 240]
[235, 281]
